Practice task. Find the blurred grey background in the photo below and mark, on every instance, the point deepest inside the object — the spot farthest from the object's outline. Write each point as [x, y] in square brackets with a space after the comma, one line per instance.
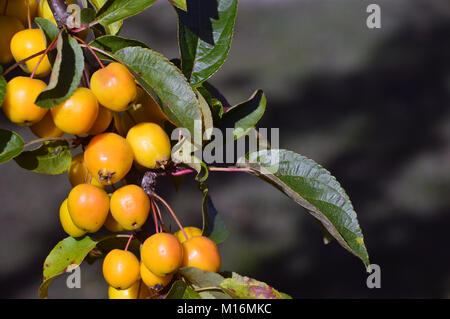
[372, 106]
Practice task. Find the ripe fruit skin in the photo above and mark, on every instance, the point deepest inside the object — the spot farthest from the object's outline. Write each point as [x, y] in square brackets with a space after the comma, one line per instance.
[114, 87]
[102, 121]
[26, 43]
[46, 127]
[162, 254]
[130, 206]
[67, 223]
[152, 281]
[121, 269]
[190, 232]
[112, 225]
[18, 9]
[88, 207]
[21, 93]
[150, 144]
[77, 114]
[108, 157]
[45, 12]
[79, 174]
[201, 252]
[130, 293]
[8, 26]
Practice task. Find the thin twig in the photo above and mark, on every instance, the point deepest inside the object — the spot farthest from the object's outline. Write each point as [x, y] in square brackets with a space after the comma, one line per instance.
[28, 14]
[44, 140]
[129, 241]
[172, 213]
[161, 224]
[59, 10]
[214, 169]
[91, 50]
[86, 76]
[155, 219]
[5, 8]
[131, 117]
[208, 289]
[101, 51]
[50, 47]
[15, 65]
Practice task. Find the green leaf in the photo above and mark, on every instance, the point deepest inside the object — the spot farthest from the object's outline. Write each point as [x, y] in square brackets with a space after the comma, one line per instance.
[11, 145]
[53, 157]
[244, 117]
[204, 279]
[50, 31]
[216, 94]
[208, 122]
[117, 10]
[314, 188]
[183, 152]
[112, 44]
[66, 73]
[215, 105]
[49, 28]
[205, 32]
[180, 290]
[65, 256]
[180, 4]
[166, 84]
[241, 287]
[112, 28]
[213, 225]
[3, 84]
[87, 15]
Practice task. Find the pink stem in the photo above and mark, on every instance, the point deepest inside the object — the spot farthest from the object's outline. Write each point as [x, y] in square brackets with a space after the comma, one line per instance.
[154, 216]
[91, 49]
[159, 217]
[49, 48]
[79, 29]
[129, 241]
[172, 213]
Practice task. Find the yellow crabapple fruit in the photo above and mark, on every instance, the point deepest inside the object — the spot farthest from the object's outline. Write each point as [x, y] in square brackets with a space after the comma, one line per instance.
[137, 291]
[88, 207]
[114, 86]
[121, 269]
[79, 174]
[24, 44]
[108, 157]
[162, 254]
[130, 206]
[8, 27]
[67, 223]
[78, 113]
[150, 144]
[153, 281]
[201, 252]
[190, 232]
[46, 127]
[19, 104]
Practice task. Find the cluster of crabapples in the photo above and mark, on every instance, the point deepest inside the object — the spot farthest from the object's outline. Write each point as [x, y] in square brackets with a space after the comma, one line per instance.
[123, 127]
